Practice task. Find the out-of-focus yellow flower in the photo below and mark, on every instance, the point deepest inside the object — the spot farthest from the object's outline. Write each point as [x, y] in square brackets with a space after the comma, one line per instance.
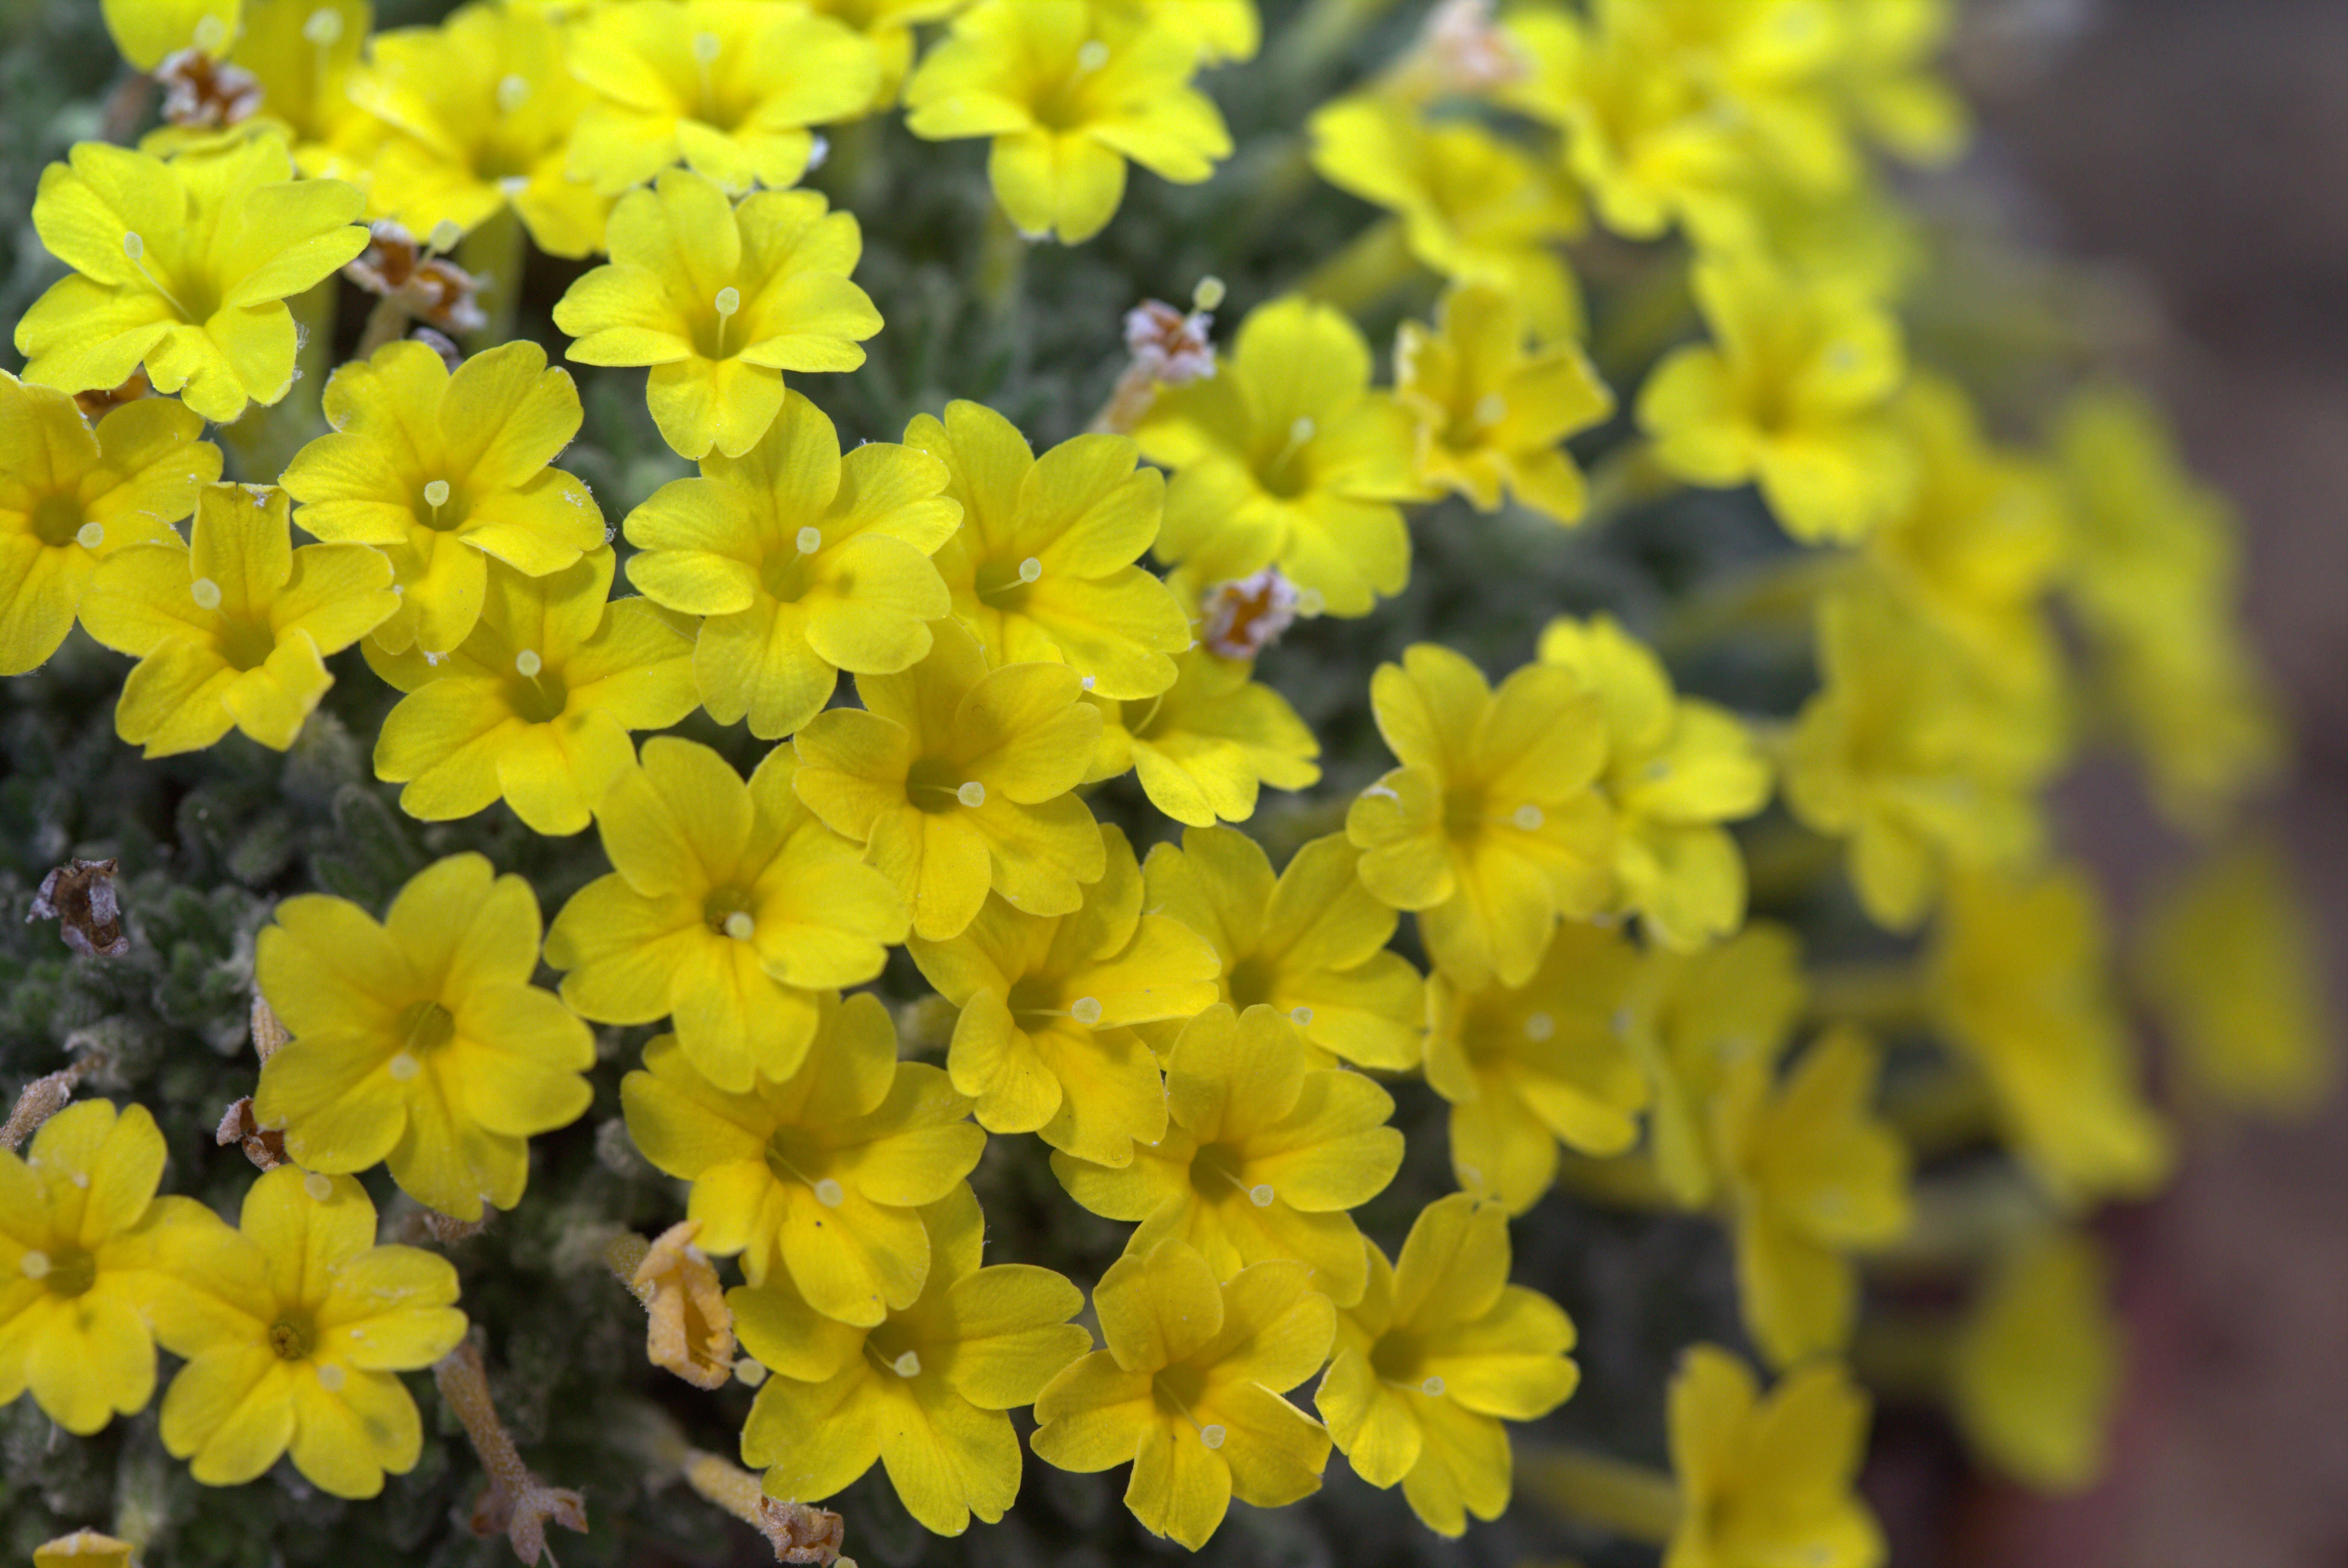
[442, 472]
[720, 300]
[303, 1326]
[183, 267]
[2019, 979]
[1789, 396]
[804, 562]
[1812, 1176]
[2156, 577]
[1491, 828]
[1188, 1390]
[923, 1391]
[1042, 565]
[1887, 79]
[2038, 1366]
[1311, 943]
[1263, 1156]
[1044, 1040]
[81, 1233]
[1223, 30]
[820, 1175]
[535, 706]
[147, 30]
[1474, 208]
[233, 629]
[1493, 416]
[1204, 747]
[1677, 768]
[1899, 753]
[728, 88]
[1692, 1020]
[1068, 90]
[420, 1041]
[1544, 1063]
[1768, 1480]
[83, 1549]
[70, 497]
[485, 105]
[729, 908]
[2229, 959]
[1441, 1350]
[956, 779]
[890, 25]
[1285, 457]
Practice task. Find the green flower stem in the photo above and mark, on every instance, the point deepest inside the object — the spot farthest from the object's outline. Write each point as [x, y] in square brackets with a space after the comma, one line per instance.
[1002, 264]
[1907, 1357]
[1882, 998]
[1378, 263]
[1631, 1499]
[494, 252]
[1326, 30]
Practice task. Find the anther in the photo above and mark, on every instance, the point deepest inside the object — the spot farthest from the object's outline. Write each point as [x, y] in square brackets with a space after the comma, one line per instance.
[972, 794]
[1432, 1387]
[324, 27]
[740, 926]
[830, 1193]
[445, 235]
[35, 1263]
[1093, 55]
[1529, 817]
[90, 535]
[404, 1067]
[1539, 1026]
[330, 1378]
[1030, 569]
[1491, 408]
[1302, 430]
[707, 47]
[529, 664]
[1303, 1016]
[211, 32]
[1261, 1195]
[1212, 1435]
[512, 92]
[435, 494]
[811, 540]
[132, 245]
[1085, 1010]
[1208, 294]
[206, 593]
[908, 1365]
[729, 299]
[319, 1186]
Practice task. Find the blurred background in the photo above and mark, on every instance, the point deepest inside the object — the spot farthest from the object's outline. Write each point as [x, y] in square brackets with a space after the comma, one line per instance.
[2193, 153]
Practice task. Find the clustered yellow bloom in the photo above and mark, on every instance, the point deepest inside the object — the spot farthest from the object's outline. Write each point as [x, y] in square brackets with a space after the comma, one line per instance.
[1192, 1035]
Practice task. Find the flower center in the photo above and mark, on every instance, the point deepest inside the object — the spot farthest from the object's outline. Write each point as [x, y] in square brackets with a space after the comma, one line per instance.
[939, 784]
[293, 1335]
[1217, 1173]
[729, 911]
[1283, 472]
[795, 1158]
[67, 1271]
[536, 693]
[56, 520]
[1250, 982]
[246, 645]
[1004, 583]
[426, 1027]
[440, 506]
[1400, 1359]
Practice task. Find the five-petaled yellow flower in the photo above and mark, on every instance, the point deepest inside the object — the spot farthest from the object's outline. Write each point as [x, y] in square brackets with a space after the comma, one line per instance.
[820, 1175]
[728, 909]
[1768, 1480]
[719, 301]
[1439, 1351]
[445, 472]
[1069, 91]
[1044, 1040]
[956, 779]
[804, 562]
[1492, 828]
[70, 497]
[420, 1041]
[1188, 1389]
[232, 628]
[183, 267]
[1263, 1157]
[296, 1326]
[1205, 746]
[923, 1391]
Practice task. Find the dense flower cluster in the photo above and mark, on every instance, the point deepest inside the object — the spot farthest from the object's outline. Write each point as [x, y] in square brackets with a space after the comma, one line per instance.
[1212, 1050]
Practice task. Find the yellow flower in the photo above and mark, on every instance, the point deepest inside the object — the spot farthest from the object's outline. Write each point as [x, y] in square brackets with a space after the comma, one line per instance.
[726, 88]
[1068, 90]
[535, 706]
[1188, 1390]
[1474, 208]
[2019, 980]
[1284, 457]
[301, 65]
[956, 779]
[1812, 1176]
[1439, 1352]
[1045, 1039]
[1899, 753]
[1492, 416]
[820, 1175]
[304, 1326]
[1789, 396]
[890, 25]
[720, 300]
[2038, 1365]
[804, 560]
[1312, 945]
[83, 1549]
[184, 268]
[420, 1041]
[728, 909]
[441, 471]
[1222, 30]
[1204, 747]
[2228, 958]
[70, 497]
[484, 105]
[923, 1391]
[1042, 566]
[1529, 1067]
[1692, 1020]
[2157, 578]
[1490, 830]
[1262, 1155]
[147, 30]
[1887, 78]
[1676, 767]
[233, 629]
[1768, 1480]
[81, 1233]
